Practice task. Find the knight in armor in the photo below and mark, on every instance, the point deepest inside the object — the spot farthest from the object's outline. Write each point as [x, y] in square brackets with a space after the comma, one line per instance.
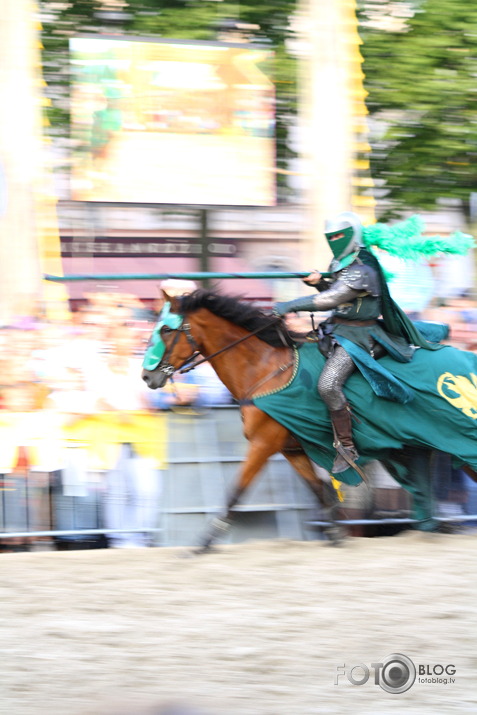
[356, 293]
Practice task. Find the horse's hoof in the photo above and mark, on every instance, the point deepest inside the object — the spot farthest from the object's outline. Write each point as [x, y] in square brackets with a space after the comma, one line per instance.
[448, 527]
[201, 550]
[194, 552]
[336, 536]
[185, 555]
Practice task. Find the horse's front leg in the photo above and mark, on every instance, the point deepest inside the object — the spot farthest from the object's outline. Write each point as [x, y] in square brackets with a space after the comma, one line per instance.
[266, 437]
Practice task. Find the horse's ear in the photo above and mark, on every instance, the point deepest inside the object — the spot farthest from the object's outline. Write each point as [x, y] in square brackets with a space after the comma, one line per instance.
[172, 299]
[175, 304]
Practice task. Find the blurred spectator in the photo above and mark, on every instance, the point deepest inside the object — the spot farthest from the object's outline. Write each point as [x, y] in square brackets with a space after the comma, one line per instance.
[176, 286]
[450, 485]
[181, 391]
[75, 490]
[389, 499]
[18, 345]
[461, 316]
[173, 287]
[133, 484]
[455, 276]
[198, 388]
[22, 424]
[211, 390]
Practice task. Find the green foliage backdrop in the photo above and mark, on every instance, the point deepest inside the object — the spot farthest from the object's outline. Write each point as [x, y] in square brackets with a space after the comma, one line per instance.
[422, 85]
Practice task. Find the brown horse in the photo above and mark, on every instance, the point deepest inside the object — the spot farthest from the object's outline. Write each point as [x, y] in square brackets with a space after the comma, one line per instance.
[251, 352]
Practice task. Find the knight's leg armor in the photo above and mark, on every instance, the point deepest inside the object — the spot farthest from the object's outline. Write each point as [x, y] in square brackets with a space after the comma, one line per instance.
[336, 371]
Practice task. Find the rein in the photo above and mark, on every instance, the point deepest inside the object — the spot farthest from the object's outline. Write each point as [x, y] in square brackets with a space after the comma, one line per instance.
[169, 369]
[227, 347]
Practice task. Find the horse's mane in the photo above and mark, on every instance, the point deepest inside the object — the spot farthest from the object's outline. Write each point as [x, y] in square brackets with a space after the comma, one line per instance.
[245, 315]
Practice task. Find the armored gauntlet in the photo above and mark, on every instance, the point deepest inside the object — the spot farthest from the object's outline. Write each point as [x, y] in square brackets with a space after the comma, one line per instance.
[294, 306]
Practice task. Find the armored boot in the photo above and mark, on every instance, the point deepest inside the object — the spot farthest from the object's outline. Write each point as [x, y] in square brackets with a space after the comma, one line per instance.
[346, 452]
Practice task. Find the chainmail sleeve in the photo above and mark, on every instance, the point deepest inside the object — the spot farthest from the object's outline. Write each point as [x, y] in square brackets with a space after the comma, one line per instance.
[338, 293]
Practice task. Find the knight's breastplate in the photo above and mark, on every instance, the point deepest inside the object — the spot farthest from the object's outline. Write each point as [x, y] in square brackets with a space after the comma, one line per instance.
[367, 307]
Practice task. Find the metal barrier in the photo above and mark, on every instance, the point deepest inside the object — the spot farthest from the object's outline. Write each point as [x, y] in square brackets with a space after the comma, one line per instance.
[205, 449]
[384, 522]
[202, 472]
[42, 509]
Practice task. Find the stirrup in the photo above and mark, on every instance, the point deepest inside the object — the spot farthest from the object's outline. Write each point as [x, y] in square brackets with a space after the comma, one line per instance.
[345, 458]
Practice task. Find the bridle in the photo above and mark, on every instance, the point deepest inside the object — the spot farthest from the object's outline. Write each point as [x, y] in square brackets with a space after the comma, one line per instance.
[166, 368]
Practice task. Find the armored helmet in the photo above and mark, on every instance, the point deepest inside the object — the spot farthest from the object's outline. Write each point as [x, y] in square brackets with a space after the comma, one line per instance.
[344, 235]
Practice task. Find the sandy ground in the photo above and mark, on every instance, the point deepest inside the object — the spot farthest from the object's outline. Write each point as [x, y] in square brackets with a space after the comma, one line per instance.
[253, 629]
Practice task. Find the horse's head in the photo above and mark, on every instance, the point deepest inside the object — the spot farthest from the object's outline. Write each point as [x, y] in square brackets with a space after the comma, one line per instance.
[171, 345]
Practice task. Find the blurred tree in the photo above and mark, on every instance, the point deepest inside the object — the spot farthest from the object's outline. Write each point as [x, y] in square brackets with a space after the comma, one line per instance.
[265, 22]
[420, 66]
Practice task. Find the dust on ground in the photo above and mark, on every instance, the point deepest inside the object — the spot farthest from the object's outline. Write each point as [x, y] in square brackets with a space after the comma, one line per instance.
[259, 628]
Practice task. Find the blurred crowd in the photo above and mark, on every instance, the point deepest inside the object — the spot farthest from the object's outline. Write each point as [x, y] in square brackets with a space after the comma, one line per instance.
[74, 411]
[91, 362]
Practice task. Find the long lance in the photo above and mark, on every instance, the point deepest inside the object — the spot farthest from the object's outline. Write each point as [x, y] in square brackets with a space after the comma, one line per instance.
[162, 276]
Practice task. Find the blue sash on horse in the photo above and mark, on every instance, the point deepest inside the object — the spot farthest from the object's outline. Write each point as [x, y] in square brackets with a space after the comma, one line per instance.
[439, 388]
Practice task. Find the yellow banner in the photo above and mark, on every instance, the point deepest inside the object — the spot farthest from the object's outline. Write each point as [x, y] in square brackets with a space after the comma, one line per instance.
[104, 432]
[46, 435]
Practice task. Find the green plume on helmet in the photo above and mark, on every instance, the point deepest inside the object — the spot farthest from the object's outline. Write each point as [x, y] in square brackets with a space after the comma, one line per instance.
[406, 240]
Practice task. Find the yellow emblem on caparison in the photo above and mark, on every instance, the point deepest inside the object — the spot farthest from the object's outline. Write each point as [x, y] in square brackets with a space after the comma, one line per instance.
[460, 391]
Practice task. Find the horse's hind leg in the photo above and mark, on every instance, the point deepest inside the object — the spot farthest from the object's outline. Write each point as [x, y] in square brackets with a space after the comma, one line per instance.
[324, 492]
[417, 480]
[470, 472]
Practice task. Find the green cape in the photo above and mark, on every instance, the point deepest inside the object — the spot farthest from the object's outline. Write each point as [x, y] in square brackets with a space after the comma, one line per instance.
[442, 415]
